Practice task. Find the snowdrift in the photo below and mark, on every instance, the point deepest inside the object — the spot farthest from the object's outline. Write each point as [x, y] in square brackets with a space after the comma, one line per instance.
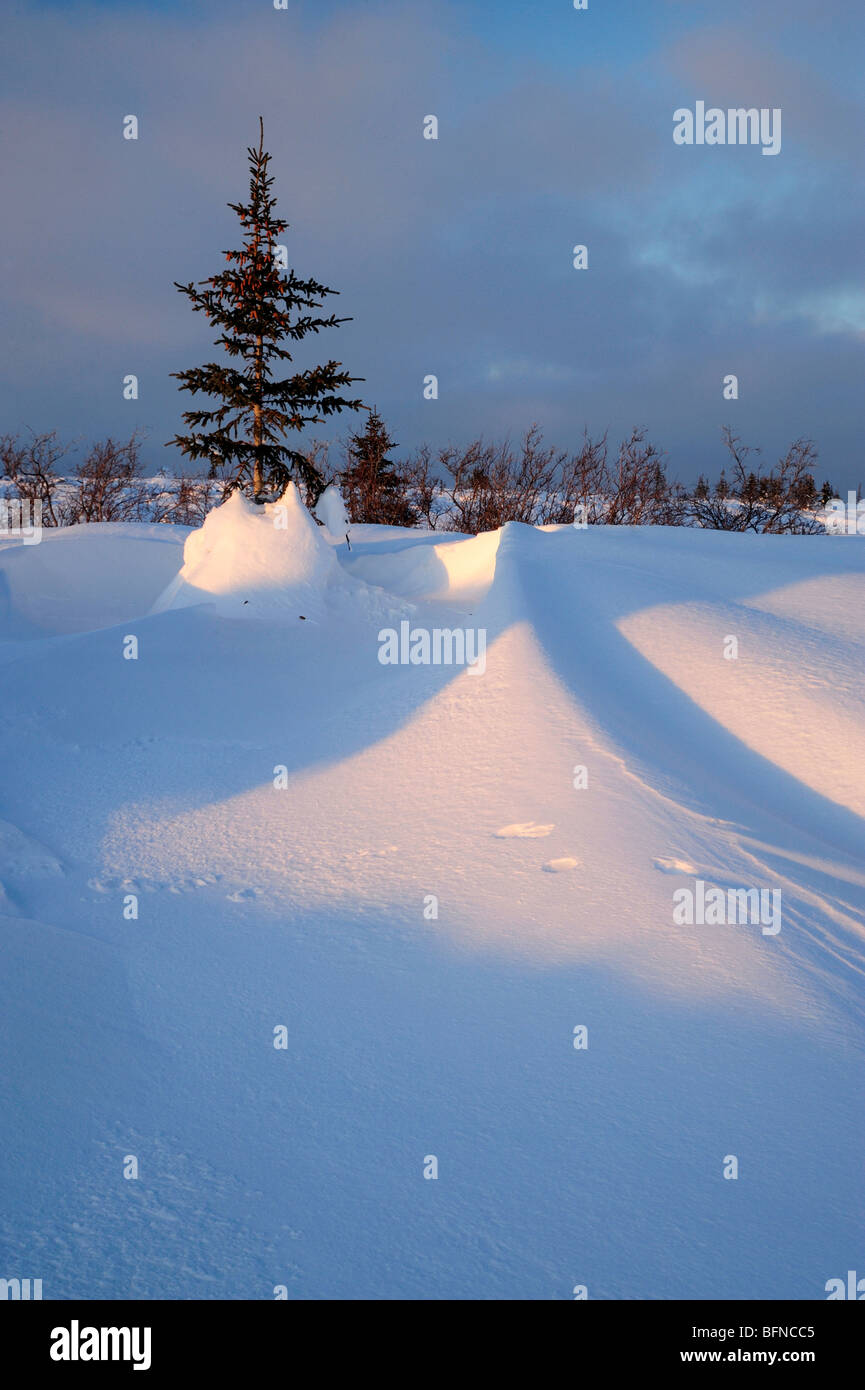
[80, 578]
[457, 569]
[259, 562]
[451, 881]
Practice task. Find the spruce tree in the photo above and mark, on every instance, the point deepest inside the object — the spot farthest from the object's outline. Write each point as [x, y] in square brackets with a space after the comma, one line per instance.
[258, 308]
[372, 484]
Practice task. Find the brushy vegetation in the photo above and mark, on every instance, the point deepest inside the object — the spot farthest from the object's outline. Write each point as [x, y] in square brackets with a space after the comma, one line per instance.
[477, 487]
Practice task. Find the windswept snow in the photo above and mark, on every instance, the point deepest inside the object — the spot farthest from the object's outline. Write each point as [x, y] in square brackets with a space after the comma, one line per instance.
[458, 570]
[62, 586]
[430, 879]
[332, 514]
[259, 562]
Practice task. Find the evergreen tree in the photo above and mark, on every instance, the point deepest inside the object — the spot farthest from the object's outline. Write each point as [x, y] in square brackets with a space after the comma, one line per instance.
[257, 307]
[372, 484]
[805, 492]
[660, 486]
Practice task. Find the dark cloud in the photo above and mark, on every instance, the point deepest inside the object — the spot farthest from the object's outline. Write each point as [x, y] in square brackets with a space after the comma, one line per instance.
[454, 256]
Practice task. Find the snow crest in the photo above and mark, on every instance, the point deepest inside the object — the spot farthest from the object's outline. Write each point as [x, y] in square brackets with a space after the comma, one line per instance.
[253, 561]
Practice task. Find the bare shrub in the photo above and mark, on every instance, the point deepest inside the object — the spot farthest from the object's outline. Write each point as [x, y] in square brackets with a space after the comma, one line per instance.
[30, 466]
[424, 486]
[109, 486]
[490, 484]
[479, 487]
[539, 485]
[105, 486]
[773, 503]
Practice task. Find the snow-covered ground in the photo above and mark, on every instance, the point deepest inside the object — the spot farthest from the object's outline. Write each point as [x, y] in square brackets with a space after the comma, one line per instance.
[303, 901]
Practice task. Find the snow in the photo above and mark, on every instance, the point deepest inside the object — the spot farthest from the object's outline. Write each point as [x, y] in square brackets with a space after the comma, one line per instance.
[307, 906]
[257, 561]
[331, 512]
[440, 569]
[115, 574]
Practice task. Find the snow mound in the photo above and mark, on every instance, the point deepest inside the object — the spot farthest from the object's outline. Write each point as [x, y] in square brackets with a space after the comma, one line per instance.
[256, 561]
[332, 513]
[84, 577]
[460, 570]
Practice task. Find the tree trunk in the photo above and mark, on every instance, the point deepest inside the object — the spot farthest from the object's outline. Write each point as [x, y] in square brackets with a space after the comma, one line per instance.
[257, 475]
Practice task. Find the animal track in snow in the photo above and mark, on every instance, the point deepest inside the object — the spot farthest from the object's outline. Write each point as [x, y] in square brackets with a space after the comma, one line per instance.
[243, 895]
[525, 830]
[675, 866]
[113, 883]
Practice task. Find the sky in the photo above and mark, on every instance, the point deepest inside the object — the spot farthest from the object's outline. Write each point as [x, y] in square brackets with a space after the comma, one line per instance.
[453, 257]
